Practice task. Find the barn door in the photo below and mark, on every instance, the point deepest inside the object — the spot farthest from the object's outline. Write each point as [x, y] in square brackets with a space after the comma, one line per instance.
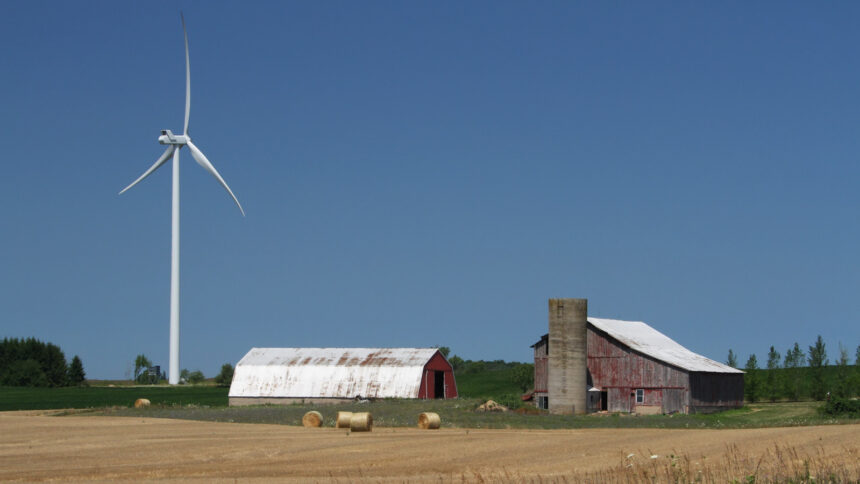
[673, 400]
[438, 384]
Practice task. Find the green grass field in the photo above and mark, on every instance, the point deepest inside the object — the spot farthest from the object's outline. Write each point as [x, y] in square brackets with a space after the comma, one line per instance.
[496, 385]
[206, 402]
[460, 413]
[24, 398]
[484, 385]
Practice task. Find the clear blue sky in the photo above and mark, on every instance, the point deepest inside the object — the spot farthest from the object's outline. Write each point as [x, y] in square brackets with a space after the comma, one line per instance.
[421, 174]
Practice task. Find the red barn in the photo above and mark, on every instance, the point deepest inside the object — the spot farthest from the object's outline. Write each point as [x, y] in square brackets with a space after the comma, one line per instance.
[631, 367]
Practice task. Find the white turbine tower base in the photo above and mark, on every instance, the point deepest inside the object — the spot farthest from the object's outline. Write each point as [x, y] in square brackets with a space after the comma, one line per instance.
[174, 144]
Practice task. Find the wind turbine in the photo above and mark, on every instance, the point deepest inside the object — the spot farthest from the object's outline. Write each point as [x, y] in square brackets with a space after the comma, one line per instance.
[174, 144]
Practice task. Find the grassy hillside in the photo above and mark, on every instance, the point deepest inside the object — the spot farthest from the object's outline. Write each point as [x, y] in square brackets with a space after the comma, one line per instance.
[493, 380]
[487, 384]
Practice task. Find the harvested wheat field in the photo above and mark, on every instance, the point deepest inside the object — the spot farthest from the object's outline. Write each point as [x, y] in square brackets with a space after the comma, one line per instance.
[35, 446]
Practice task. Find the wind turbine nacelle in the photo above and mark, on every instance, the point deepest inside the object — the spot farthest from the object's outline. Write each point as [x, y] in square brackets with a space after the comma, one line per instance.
[168, 138]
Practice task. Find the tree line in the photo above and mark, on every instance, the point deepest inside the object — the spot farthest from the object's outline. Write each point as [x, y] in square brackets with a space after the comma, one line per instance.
[144, 373]
[800, 375]
[32, 363]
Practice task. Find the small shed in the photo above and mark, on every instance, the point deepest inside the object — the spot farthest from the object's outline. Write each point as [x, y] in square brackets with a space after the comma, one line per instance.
[331, 375]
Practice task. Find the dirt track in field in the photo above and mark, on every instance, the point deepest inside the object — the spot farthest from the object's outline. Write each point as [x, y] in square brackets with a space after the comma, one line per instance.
[36, 447]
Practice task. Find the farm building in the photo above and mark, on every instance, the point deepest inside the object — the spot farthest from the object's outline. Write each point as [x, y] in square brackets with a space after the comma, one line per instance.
[331, 375]
[589, 364]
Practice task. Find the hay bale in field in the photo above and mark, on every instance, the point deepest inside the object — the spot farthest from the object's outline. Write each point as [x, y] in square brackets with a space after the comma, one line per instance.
[491, 406]
[343, 419]
[141, 403]
[361, 422]
[429, 421]
[312, 419]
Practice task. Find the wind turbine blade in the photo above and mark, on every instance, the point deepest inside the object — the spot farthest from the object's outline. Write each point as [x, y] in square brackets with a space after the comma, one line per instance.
[201, 160]
[187, 78]
[160, 161]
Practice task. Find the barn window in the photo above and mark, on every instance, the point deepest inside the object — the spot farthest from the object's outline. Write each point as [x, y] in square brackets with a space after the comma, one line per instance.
[640, 395]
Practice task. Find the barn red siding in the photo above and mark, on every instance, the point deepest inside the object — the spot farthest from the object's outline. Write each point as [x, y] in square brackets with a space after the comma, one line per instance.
[428, 378]
[540, 365]
[619, 371]
[613, 365]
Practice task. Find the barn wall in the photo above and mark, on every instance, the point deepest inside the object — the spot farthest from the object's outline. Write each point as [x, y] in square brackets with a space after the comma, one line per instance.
[619, 400]
[541, 392]
[540, 366]
[613, 365]
[620, 371]
[711, 392]
[428, 378]
[653, 397]
[674, 400]
[450, 385]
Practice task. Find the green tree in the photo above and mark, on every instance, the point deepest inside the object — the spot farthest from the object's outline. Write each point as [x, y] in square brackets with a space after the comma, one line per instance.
[456, 362]
[843, 375]
[30, 362]
[226, 376]
[196, 376]
[445, 351]
[523, 376]
[76, 372]
[25, 373]
[186, 376]
[752, 379]
[732, 360]
[470, 366]
[855, 384]
[772, 383]
[817, 361]
[792, 380]
[54, 366]
[141, 363]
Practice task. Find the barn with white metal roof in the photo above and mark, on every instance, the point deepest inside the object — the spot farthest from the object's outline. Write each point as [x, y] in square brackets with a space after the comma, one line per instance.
[592, 364]
[328, 375]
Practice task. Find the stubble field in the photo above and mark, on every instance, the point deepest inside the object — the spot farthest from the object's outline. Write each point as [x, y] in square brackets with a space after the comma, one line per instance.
[35, 446]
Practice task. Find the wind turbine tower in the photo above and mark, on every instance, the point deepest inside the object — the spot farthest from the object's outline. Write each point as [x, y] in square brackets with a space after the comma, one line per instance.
[175, 143]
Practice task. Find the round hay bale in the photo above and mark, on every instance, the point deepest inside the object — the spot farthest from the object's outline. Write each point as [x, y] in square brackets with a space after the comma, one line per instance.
[429, 421]
[312, 419]
[343, 420]
[361, 422]
[141, 403]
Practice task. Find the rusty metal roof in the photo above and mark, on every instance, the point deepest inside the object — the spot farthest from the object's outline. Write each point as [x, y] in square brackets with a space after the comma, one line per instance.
[647, 340]
[330, 372]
